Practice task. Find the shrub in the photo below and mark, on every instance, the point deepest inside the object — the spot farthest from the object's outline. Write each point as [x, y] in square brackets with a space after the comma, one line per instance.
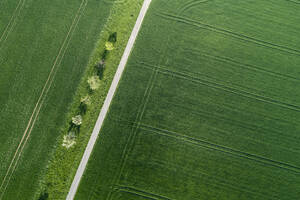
[86, 100]
[100, 67]
[77, 120]
[109, 46]
[94, 82]
[68, 141]
[113, 37]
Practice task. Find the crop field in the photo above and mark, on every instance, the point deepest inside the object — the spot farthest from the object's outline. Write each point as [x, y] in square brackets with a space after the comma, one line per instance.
[44, 50]
[208, 107]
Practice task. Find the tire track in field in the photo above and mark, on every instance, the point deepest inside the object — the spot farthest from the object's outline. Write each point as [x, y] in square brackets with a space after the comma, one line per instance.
[191, 4]
[229, 33]
[237, 123]
[218, 181]
[294, 1]
[241, 124]
[142, 193]
[210, 79]
[12, 22]
[43, 94]
[130, 142]
[133, 133]
[228, 89]
[221, 131]
[229, 185]
[223, 149]
[242, 65]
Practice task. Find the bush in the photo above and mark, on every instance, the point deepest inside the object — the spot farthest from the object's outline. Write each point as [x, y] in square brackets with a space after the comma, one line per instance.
[109, 46]
[94, 82]
[77, 120]
[113, 37]
[84, 102]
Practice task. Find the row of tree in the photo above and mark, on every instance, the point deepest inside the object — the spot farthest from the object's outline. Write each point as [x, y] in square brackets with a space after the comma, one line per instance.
[93, 84]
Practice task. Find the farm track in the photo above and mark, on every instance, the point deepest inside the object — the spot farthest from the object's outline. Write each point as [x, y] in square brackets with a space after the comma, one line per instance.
[243, 65]
[12, 22]
[230, 33]
[223, 87]
[42, 97]
[140, 193]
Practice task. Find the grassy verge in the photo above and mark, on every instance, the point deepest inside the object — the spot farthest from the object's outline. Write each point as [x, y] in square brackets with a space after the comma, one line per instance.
[63, 166]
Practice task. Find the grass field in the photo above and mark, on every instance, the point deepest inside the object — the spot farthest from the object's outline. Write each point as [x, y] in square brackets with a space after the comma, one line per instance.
[44, 50]
[208, 107]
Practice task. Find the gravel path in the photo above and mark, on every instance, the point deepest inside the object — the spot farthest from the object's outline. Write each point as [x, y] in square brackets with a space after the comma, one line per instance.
[107, 101]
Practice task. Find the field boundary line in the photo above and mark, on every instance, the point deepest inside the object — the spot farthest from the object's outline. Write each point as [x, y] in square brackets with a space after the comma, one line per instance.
[9, 27]
[45, 91]
[229, 33]
[107, 102]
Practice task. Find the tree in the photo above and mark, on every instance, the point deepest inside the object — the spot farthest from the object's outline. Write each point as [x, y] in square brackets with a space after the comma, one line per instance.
[84, 102]
[94, 82]
[77, 120]
[109, 46]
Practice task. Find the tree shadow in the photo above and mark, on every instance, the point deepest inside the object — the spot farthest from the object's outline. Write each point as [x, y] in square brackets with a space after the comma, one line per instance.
[44, 196]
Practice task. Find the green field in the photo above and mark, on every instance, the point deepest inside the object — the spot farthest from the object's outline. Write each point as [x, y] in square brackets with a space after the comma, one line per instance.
[208, 107]
[37, 39]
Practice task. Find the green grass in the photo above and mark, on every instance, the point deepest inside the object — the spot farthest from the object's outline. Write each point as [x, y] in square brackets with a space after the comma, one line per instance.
[208, 107]
[62, 168]
[26, 58]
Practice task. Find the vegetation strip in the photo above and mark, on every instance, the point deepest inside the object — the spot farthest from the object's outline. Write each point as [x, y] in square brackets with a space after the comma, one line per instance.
[108, 100]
